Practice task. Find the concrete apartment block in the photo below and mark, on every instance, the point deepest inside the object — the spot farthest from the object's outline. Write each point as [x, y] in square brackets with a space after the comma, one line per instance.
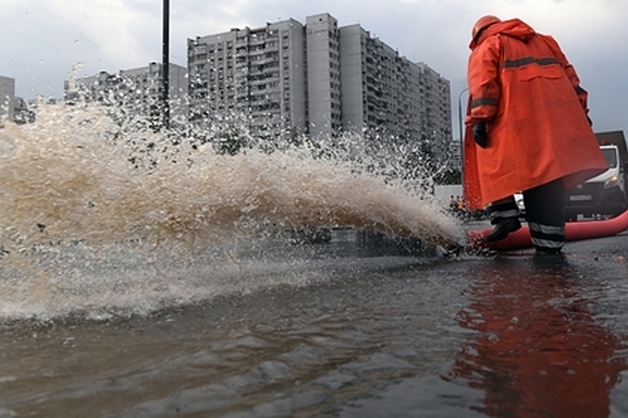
[323, 75]
[138, 89]
[7, 98]
[319, 79]
[259, 72]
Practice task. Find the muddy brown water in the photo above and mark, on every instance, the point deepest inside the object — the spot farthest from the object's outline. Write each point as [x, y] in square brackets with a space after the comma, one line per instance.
[375, 330]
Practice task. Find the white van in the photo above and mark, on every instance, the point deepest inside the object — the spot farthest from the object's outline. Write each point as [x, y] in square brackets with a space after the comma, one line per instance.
[604, 194]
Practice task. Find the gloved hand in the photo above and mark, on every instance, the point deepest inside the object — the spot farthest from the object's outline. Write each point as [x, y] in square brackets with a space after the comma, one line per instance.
[479, 134]
[589, 120]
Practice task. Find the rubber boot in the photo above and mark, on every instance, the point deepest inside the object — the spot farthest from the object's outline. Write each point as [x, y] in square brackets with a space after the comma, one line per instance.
[504, 214]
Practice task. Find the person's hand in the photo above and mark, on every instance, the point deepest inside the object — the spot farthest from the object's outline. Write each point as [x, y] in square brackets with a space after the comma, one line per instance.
[479, 134]
[589, 120]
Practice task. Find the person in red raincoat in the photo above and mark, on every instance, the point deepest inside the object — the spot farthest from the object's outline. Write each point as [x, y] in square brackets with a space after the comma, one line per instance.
[527, 130]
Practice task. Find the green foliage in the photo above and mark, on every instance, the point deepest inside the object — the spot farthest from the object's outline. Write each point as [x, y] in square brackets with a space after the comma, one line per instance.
[449, 177]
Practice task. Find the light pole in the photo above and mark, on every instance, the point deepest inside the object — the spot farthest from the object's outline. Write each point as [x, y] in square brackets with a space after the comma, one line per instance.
[460, 133]
[165, 53]
[460, 114]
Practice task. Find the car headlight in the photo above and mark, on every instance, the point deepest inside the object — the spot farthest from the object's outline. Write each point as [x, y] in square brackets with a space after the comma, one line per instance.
[611, 182]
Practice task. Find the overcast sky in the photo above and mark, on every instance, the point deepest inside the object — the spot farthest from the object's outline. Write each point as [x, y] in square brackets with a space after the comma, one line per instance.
[42, 40]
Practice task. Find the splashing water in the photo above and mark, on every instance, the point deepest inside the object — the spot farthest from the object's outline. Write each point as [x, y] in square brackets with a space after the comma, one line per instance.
[91, 210]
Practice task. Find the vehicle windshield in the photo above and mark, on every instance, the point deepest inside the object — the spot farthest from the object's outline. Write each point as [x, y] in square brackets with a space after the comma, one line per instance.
[611, 157]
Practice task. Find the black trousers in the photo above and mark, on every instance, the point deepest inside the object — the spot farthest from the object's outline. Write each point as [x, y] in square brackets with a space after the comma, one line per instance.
[545, 214]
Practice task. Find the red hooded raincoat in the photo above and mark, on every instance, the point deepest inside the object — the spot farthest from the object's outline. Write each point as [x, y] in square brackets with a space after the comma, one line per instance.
[523, 87]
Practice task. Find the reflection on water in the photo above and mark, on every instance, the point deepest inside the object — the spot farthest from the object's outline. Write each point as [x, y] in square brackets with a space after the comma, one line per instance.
[380, 336]
[537, 349]
[288, 350]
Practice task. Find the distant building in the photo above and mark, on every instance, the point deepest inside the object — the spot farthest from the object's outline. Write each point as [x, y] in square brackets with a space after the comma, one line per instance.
[13, 108]
[319, 79]
[7, 98]
[22, 112]
[434, 91]
[384, 92]
[455, 160]
[139, 89]
[323, 72]
[256, 72]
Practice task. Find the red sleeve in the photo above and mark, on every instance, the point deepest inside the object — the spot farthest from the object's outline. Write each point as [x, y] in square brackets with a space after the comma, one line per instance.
[483, 79]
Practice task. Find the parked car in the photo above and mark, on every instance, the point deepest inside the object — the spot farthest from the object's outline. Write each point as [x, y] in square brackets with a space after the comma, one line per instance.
[605, 194]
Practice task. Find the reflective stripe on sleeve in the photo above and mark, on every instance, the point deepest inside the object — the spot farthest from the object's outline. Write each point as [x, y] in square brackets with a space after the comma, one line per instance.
[484, 101]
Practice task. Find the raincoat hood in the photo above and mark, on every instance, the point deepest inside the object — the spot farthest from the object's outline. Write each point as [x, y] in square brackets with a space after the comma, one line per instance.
[514, 28]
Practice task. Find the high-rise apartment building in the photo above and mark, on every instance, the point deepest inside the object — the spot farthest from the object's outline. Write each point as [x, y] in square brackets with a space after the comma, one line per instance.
[386, 93]
[138, 89]
[319, 79]
[434, 91]
[324, 100]
[380, 89]
[256, 72]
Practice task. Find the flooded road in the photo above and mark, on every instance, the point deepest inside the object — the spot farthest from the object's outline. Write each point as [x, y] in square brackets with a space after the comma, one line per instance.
[144, 273]
[369, 330]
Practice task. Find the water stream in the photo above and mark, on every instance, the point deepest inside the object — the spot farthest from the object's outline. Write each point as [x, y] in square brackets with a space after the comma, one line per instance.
[100, 213]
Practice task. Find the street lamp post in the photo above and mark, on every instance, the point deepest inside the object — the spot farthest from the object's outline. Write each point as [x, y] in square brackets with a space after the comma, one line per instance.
[165, 64]
[460, 114]
[460, 132]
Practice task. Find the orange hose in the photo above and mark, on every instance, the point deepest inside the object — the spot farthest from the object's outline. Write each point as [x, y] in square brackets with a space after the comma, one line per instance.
[574, 231]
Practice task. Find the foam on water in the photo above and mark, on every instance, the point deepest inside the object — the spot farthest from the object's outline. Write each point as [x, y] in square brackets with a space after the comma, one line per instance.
[96, 213]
